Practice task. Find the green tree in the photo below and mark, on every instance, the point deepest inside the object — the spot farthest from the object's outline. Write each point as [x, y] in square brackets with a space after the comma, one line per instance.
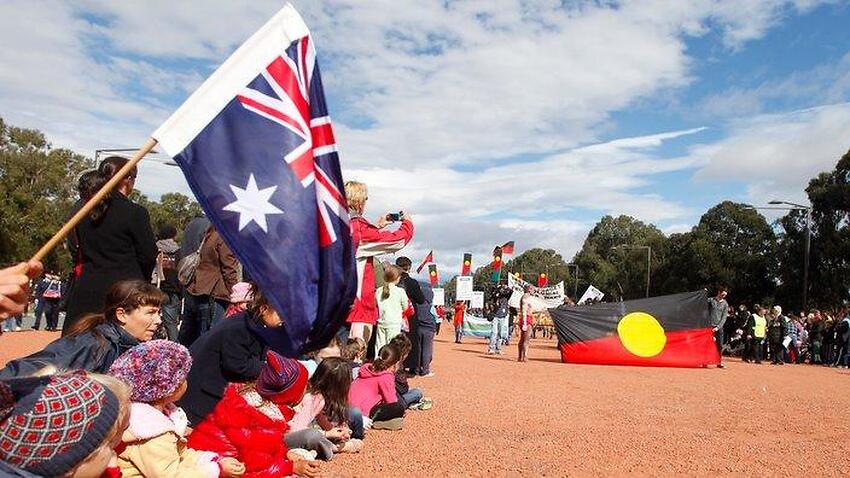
[37, 193]
[173, 208]
[732, 245]
[609, 260]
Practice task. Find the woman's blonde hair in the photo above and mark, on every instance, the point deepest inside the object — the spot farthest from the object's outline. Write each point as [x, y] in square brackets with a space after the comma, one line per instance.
[356, 193]
[391, 274]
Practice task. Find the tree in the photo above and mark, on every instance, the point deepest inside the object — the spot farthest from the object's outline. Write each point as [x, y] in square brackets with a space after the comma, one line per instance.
[37, 192]
[173, 208]
[618, 271]
[732, 245]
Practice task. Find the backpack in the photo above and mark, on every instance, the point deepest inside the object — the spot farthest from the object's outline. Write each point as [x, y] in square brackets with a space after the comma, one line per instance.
[188, 265]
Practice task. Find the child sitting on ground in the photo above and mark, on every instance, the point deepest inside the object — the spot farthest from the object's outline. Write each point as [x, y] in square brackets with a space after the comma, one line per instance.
[373, 392]
[411, 397]
[85, 444]
[326, 403]
[312, 360]
[250, 421]
[155, 441]
[354, 351]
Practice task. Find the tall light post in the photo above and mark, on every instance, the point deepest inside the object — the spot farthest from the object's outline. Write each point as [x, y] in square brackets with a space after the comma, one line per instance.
[648, 260]
[575, 293]
[808, 246]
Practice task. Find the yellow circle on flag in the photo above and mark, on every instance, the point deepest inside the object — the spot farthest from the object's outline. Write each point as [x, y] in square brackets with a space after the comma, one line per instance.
[641, 334]
[466, 263]
[433, 273]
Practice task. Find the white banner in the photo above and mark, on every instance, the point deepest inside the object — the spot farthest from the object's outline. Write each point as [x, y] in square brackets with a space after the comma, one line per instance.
[439, 296]
[463, 291]
[542, 298]
[477, 301]
[592, 293]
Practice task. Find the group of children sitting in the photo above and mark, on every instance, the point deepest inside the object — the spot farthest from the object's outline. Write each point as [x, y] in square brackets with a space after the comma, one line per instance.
[293, 415]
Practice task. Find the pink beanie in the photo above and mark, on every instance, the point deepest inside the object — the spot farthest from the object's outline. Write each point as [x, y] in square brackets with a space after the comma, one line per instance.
[242, 292]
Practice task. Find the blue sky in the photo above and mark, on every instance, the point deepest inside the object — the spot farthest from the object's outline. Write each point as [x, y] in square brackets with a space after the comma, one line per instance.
[489, 121]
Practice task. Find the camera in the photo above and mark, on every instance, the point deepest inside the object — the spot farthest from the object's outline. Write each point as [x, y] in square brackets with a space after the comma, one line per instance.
[395, 216]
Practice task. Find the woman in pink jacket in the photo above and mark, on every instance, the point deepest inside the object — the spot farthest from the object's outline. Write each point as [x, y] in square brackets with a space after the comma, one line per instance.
[373, 392]
[370, 241]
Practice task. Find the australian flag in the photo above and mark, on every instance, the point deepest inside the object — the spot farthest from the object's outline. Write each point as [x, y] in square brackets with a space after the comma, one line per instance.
[256, 145]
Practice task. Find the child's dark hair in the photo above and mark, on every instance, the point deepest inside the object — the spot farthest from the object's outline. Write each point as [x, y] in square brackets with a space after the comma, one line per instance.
[388, 356]
[353, 349]
[332, 380]
[403, 344]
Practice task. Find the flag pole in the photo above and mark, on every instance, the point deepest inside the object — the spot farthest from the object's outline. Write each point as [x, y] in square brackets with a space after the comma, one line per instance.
[107, 188]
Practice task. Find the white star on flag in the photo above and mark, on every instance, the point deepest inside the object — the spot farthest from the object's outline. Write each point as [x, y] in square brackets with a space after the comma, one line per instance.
[252, 204]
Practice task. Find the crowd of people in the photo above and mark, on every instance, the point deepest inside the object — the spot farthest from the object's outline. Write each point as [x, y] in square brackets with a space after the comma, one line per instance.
[163, 368]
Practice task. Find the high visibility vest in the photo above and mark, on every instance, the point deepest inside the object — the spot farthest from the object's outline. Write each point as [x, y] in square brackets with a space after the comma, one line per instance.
[759, 326]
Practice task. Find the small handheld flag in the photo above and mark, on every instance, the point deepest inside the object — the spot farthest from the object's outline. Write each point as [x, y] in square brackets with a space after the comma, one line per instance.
[433, 278]
[467, 264]
[508, 248]
[542, 280]
[428, 259]
[256, 145]
[496, 275]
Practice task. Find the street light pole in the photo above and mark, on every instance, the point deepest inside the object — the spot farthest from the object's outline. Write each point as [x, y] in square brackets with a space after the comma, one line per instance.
[575, 290]
[806, 252]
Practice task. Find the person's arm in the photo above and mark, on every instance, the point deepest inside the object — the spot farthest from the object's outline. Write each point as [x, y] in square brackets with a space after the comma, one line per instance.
[374, 241]
[238, 363]
[386, 387]
[160, 457]
[414, 292]
[229, 265]
[144, 242]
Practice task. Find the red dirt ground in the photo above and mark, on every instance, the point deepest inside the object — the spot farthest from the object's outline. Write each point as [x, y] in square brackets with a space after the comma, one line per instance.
[494, 416]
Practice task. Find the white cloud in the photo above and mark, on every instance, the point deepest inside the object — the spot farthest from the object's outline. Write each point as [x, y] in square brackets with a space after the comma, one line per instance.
[777, 155]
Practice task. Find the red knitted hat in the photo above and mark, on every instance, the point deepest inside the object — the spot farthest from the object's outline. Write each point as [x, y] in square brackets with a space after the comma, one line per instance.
[49, 425]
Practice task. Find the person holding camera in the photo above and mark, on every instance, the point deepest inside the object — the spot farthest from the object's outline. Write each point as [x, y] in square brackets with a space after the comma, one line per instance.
[370, 240]
[499, 325]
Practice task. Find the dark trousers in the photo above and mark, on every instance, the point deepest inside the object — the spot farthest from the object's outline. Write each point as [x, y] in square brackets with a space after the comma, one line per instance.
[752, 351]
[355, 422]
[171, 315]
[776, 352]
[426, 350]
[51, 313]
[411, 363]
[39, 313]
[387, 411]
[200, 313]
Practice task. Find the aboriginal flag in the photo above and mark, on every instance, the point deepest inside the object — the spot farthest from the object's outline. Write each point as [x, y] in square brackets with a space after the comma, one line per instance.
[428, 259]
[667, 331]
[467, 264]
[433, 278]
[508, 248]
[496, 275]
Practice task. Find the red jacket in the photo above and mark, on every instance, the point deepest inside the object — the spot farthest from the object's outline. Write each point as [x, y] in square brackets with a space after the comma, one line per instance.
[238, 430]
[369, 241]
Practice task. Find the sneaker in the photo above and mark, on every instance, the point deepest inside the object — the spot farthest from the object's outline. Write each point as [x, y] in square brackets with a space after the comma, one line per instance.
[352, 446]
[429, 374]
[367, 423]
[394, 424]
[18, 328]
[5, 330]
[490, 352]
[720, 365]
[426, 404]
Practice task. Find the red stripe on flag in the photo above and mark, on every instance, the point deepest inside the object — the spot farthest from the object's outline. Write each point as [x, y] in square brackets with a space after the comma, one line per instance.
[323, 135]
[285, 77]
[304, 64]
[303, 165]
[270, 111]
[684, 348]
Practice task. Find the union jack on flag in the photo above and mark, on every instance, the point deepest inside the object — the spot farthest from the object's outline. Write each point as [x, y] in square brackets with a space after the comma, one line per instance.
[256, 145]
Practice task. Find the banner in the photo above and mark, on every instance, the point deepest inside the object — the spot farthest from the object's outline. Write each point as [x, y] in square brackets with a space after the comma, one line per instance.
[439, 296]
[592, 293]
[477, 301]
[475, 326]
[542, 297]
[667, 331]
[463, 290]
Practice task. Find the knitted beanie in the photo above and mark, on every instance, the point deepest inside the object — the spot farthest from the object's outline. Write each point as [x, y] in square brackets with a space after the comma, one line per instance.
[282, 380]
[49, 425]
[153, 370]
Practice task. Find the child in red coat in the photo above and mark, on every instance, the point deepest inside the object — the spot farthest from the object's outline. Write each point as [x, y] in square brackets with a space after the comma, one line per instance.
[250, 422]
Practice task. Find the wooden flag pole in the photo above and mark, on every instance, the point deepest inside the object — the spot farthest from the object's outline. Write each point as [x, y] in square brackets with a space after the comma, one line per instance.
[88, 206]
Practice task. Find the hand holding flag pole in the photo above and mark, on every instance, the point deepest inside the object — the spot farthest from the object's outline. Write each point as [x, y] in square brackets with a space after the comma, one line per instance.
[84, 211]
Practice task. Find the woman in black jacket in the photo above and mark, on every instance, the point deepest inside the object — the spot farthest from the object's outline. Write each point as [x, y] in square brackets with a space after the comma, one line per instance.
[116, 242]
[231, 351]
[131, 316]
